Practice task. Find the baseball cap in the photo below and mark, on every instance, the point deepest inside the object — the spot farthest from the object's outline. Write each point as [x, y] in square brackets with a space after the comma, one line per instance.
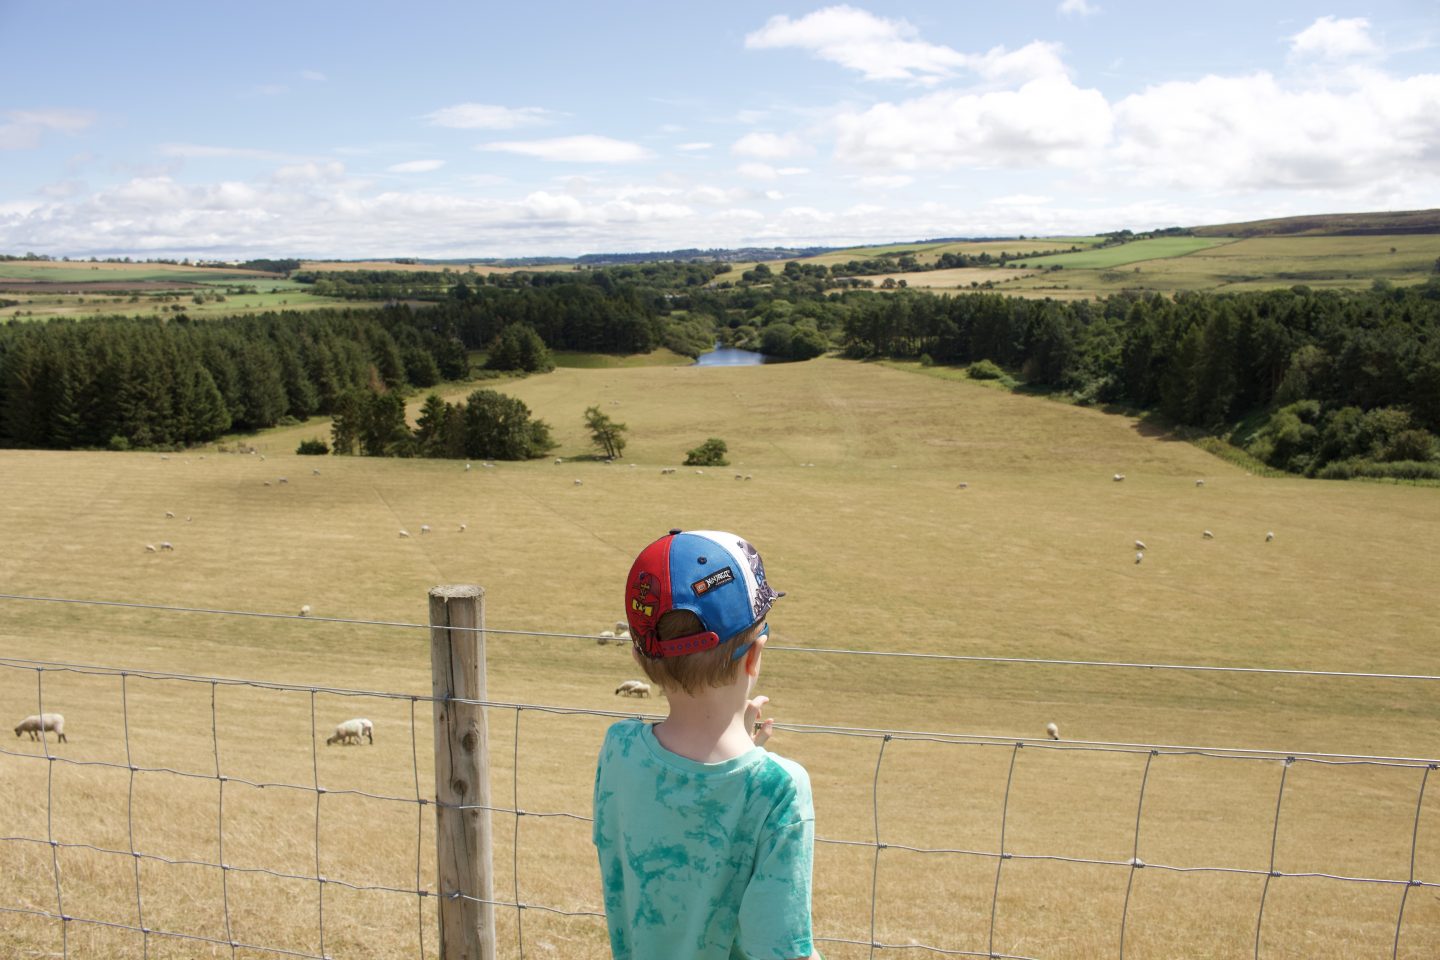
[717, 576]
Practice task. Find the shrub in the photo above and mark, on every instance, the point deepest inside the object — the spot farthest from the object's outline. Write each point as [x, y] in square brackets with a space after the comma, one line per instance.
[985, 370]
[313, 448]
[711, 453]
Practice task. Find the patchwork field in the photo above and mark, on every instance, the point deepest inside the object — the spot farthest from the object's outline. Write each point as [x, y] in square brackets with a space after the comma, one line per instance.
[857, 505]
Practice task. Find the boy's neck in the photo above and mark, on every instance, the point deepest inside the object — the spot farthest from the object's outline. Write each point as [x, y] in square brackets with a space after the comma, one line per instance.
[708, 726]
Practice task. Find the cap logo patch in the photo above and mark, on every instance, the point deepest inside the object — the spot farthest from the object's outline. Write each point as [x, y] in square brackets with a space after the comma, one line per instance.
[717, 579]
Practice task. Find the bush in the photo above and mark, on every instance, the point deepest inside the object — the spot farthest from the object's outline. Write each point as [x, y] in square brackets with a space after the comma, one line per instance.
[985, 370]
[313, 448]
[711, 453]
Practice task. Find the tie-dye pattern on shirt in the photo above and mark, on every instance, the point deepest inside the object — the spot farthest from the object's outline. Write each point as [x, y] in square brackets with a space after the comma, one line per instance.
[709, 861]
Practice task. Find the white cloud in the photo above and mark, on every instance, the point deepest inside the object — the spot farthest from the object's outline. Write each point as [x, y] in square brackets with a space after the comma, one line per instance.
[1036, 59]
[416, 166]
[1254, 133]
[1046, 122]
[579, 149]
[313, 172]
[1331, 39]
[764, 171]
[886, 182]
[26, 128]
[694, 147]
[1018, 200]
[199, 151]
[768, 146]
[484, 116]
[881, 49]
[1077, 8]
[774, 195]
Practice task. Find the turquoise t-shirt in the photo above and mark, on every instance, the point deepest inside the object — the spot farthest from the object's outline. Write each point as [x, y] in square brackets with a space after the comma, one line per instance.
[702, 861]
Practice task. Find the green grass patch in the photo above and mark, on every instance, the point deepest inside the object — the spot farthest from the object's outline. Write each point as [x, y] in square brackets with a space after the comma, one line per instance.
[1137, 251]
[662, 357]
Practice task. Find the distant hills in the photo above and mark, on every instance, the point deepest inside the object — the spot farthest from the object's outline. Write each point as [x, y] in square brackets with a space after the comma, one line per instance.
[1330, 225]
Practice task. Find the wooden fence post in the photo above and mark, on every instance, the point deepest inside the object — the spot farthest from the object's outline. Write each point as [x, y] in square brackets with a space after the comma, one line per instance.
[462, 774]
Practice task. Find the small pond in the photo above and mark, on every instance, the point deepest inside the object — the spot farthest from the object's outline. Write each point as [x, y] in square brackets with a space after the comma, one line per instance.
[730, 357]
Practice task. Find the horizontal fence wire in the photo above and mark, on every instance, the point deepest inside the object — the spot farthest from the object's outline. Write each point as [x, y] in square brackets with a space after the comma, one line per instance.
[1003, 856]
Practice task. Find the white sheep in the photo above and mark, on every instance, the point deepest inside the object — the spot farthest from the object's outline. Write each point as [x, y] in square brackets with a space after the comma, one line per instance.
[166, 545]
[149, 548]
[1199, 483]
[404, 533]
[1139, 557]
[739, 476]
[169, 515]
[424, 528]
[305, 610]
[351, 731]
[462, 529]
[1207, 535]
[467, 466]
[665, 470]
[579, 482]
[37, 723]
[1119, 477]
[622, 630]
[315, 472]
[633, 688]
[1053, 731]
[559, 460]
[1269, 536]
[963, 486]
[1140, 545]
[748, 477]
[604, 637]
[284, 480]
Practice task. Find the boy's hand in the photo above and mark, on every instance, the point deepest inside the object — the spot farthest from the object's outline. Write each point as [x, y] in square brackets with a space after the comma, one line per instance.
[760, 730]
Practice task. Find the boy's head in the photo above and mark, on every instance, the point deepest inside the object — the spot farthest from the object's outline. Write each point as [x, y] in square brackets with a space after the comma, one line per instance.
[695, 602]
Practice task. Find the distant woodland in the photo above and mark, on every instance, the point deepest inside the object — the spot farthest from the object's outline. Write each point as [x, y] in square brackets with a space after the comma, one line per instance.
[1320, 383]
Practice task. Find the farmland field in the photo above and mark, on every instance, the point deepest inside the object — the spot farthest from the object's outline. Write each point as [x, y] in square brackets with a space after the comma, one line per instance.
[1158, 248]
[857, 506]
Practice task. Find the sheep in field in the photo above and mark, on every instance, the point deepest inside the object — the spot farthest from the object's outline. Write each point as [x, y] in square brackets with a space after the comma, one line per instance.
[1052, 731]
[169, 515]
[1199, 483]
[604, 637]
[1139, 557]
[1270, 536]
[37, 723]
[1207, 535]
[424, 528]
[166, 545]
[305, 610]
[633, 688]
[404, 533]
[1119, 477]
[462, 528]
[351, 731]
[1140, 545]
[622, 631]
[149, 548]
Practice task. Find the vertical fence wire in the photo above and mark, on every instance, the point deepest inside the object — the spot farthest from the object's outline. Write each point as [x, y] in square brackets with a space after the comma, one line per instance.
[1002, 856]
[50, 816]
[1135, 862]
[875, 870]
[319, 792]
[1274, 839]
[515, 839]
[419, 832]
[130, 816]
[220, 820]
[1410, 883]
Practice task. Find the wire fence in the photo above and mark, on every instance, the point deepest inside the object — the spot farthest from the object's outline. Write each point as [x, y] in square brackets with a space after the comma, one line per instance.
[943, 844]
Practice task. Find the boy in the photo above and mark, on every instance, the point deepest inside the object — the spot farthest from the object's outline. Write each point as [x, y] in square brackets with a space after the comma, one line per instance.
[705, 839]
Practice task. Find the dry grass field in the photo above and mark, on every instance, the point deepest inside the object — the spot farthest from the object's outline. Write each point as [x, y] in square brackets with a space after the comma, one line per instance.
[856, 504]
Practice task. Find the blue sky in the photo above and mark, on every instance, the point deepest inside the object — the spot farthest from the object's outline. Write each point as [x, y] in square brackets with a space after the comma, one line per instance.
[325, 129]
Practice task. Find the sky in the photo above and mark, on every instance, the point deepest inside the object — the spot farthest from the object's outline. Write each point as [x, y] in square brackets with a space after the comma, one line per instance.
[321, 129]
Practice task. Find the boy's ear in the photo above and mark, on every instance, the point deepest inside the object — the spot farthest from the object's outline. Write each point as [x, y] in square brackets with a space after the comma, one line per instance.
[752, 656]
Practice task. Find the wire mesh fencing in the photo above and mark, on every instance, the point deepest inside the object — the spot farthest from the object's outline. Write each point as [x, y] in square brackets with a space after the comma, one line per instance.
[193, 815]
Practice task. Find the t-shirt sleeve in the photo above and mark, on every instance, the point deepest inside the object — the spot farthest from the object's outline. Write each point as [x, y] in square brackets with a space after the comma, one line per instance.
[775, 909]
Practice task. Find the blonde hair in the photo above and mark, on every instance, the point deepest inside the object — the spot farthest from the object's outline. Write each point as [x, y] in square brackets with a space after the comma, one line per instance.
[692, 672]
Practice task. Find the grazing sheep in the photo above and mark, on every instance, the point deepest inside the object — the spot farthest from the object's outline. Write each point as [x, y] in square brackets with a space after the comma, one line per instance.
[467, 466]
[37, 723]
[604, 637]
[700, 472]
[351, 731]
[579, 482]
[462, 529]
[315, 472]
[1270, 536]
[267, 483]
[664, 470]
[963, 486]
[1139, 557]
[149, 548]
[748, 477]
[404, 533]
[305, 610]
[1207, 535]
[169, 515]
[1053, 731]
[739, 476]
[622, 630]
[1119, 477]
[166, 545]
[1199, 483]
[1140, 545]
[424, 528]
[633, 688]
[559, 460]
[284, 480]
